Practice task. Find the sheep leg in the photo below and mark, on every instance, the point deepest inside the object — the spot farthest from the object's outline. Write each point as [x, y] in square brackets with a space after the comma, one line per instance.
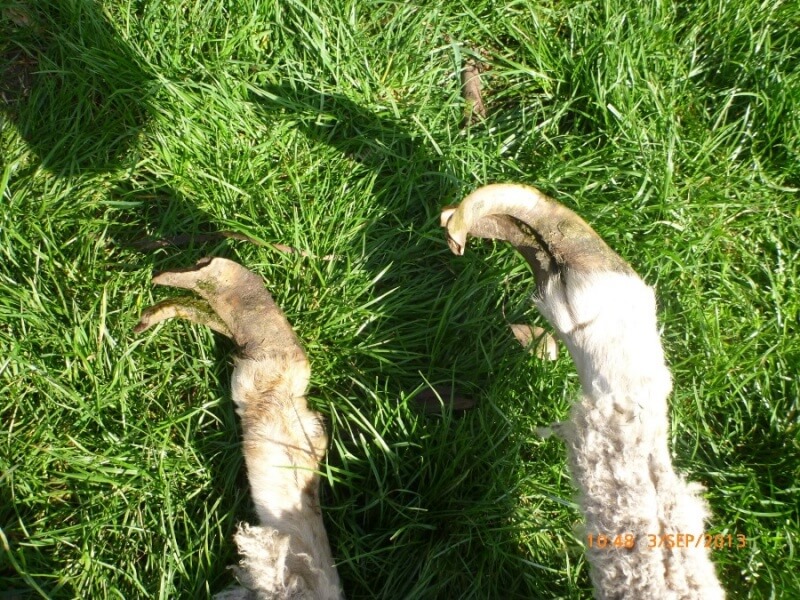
[191, 309]
[288, 554]
[617, 434]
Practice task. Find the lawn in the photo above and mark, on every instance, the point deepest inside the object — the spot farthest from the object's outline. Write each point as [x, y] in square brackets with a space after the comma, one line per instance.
[132, 131]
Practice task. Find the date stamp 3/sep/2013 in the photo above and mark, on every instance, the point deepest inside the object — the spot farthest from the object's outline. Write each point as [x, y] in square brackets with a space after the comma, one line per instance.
[716, 541]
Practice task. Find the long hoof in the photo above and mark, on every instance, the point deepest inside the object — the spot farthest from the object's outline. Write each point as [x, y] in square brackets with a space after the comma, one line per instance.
[234, 303]
[550, 237]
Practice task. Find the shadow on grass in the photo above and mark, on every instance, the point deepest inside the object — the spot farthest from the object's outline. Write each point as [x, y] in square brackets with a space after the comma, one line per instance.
[12, 587]
[426, 505]
[384, 143]
[80, 97]
[77, 93]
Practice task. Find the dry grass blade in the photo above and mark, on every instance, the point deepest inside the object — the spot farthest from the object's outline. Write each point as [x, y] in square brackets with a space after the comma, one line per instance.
[474, 108]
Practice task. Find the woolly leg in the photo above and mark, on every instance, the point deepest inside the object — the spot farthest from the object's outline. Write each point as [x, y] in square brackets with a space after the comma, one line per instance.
[288, 556]
[617, 435]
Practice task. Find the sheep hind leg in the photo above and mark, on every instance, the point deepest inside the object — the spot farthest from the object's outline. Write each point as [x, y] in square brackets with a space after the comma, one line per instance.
[287, 555]
[617, 434]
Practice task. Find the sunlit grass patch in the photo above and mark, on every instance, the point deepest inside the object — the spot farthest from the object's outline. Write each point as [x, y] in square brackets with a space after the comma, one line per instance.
[335, 128]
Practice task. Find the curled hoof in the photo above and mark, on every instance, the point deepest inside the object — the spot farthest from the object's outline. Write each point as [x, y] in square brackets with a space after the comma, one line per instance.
[549, 236]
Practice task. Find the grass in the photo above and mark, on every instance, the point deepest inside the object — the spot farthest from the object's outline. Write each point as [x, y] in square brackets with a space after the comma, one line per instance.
[334, 127]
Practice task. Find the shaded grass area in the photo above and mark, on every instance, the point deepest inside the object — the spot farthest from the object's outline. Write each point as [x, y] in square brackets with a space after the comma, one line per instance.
[335, 129]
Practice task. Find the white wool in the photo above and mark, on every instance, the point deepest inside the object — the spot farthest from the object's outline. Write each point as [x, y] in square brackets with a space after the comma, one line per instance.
[272, 568]
[617, 441]
[286, 557]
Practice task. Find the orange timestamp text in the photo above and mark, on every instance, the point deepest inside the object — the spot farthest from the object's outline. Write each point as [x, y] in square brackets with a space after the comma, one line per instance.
[652, 541]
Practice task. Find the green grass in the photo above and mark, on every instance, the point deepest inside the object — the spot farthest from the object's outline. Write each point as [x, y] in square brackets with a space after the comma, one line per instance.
[334, 127]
